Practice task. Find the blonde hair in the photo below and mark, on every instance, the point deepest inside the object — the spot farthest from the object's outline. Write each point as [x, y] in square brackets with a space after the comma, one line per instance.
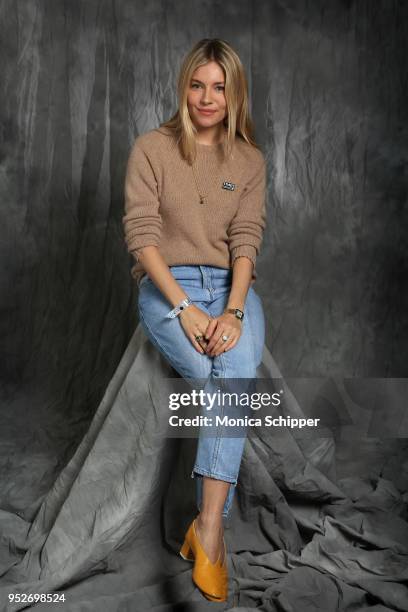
[237, 120]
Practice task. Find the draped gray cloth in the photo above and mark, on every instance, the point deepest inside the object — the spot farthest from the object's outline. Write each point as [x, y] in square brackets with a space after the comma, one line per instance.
[108, 531]
[312, 527]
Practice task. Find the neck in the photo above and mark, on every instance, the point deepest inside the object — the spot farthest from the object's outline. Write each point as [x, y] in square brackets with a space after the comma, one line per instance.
[210, 136]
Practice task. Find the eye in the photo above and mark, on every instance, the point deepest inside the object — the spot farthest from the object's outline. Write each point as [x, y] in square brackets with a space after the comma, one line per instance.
[218, 87]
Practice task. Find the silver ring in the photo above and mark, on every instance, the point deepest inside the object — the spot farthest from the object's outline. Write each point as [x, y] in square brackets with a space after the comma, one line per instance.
[224, 338]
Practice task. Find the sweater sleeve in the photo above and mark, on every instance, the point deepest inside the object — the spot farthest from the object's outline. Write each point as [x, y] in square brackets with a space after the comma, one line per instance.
[246, 228]
[142, 222]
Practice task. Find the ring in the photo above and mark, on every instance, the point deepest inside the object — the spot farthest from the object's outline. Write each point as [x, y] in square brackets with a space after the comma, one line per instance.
[224, 338]
[198, 338]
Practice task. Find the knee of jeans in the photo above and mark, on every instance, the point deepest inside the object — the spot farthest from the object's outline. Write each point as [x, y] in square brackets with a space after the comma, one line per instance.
[246, 369]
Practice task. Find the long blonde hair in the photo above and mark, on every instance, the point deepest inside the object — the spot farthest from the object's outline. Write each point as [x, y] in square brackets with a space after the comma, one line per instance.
[237, 121]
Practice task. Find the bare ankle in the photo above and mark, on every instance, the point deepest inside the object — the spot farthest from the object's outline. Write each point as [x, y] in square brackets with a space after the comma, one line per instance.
[211, 521]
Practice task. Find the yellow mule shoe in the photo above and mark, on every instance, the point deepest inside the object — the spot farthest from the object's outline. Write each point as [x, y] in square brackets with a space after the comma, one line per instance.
[210, 578]
[186, 552]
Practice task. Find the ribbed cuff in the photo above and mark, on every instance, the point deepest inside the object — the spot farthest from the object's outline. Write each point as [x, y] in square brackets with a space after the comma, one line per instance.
[246, 250]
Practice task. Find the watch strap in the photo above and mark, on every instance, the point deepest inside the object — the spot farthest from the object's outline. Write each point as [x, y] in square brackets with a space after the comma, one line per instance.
[235, 311]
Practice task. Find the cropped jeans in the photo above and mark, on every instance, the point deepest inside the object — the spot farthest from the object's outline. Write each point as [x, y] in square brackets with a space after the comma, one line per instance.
[208, 287]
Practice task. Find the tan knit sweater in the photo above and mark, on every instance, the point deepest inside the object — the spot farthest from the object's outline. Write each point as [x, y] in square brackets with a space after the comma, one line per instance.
[162, 202]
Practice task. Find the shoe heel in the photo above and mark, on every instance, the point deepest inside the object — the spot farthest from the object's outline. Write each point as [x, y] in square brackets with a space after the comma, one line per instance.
[186, 552]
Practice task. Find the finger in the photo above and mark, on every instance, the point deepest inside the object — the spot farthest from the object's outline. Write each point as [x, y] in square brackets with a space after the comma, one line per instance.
[203, 343]
[214, 338]
[212, 325]
[222, 346]
[200, 338]
[217, 341]
[210, 320]
[226, 346]
[196, 344]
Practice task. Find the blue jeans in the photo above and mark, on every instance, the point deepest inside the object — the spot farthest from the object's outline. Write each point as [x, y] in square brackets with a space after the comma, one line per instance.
[208, 287]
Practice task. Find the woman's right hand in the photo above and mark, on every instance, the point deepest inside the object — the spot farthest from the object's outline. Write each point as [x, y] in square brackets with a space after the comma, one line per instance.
[195, 321]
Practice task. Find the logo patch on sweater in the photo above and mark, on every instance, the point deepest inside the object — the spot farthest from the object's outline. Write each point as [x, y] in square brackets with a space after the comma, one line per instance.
[228, 185]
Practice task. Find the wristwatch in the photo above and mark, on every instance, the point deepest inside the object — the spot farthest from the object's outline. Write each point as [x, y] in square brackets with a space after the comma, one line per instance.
[235, 311]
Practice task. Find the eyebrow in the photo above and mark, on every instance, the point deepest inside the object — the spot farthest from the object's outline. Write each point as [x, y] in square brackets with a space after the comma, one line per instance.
[218, 83]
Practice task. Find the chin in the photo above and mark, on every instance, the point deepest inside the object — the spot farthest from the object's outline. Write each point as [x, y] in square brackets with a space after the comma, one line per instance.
[207, 121]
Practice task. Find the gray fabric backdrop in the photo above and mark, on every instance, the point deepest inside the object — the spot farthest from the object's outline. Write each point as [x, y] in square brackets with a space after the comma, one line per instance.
[80, 80]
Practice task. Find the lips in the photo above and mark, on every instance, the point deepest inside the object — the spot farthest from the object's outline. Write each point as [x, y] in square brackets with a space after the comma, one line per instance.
[206, 112]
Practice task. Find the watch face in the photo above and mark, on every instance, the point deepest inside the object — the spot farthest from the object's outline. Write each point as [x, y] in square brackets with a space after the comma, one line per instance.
[239, 313]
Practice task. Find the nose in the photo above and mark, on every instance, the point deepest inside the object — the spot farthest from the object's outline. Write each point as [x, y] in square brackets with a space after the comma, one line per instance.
[206, 97]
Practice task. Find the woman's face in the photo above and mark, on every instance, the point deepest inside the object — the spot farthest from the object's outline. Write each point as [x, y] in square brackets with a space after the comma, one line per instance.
[206, 92]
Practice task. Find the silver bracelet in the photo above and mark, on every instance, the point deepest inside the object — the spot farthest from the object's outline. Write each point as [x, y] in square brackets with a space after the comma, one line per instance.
[182, 306]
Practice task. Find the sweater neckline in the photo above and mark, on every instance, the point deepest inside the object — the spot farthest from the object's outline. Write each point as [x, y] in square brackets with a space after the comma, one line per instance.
[201, 147]
[209, 146]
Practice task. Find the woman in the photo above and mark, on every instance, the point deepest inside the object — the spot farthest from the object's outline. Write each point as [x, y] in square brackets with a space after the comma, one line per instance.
[195, 214]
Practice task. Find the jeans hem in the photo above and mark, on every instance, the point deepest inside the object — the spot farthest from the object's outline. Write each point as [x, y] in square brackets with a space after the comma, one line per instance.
[216, 475]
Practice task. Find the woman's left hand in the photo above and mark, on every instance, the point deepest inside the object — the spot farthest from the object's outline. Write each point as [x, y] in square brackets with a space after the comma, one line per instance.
[226, 324]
